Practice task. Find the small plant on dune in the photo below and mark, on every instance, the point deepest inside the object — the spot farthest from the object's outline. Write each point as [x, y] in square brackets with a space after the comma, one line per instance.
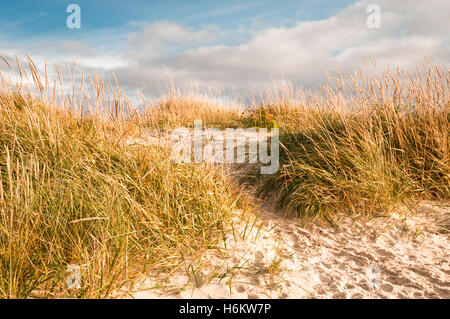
[263, 117]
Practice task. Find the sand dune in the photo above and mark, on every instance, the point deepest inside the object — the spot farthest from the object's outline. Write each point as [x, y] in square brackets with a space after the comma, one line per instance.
[405, 255]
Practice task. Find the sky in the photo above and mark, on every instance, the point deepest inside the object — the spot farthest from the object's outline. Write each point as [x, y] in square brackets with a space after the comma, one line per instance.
[228, 44]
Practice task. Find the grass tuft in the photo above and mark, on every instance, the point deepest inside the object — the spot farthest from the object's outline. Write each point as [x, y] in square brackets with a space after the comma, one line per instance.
[71, 192]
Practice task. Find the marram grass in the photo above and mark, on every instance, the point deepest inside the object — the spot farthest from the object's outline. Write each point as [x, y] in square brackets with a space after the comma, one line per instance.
[71, 192]
[387, 143]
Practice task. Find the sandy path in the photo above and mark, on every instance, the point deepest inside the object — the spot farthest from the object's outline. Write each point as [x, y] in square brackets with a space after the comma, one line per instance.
[405, 255]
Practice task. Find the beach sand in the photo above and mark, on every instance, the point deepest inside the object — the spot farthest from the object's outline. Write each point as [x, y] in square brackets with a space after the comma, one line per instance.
[405, 255]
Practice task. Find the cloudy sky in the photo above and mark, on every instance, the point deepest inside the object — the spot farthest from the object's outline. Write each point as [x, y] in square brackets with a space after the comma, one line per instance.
[244, 45]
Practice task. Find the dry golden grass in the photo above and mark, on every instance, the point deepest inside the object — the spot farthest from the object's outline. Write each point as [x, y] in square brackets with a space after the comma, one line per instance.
[181, 111]
[73, 192]
[386, 141]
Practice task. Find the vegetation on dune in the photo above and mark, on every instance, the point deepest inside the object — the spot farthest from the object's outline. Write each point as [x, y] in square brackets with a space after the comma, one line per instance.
[181, 111]
[387, 143]
[73, 192]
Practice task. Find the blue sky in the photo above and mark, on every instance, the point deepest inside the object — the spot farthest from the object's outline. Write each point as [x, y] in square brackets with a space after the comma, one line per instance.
[29, 18]
[227, 44]
[105, 24]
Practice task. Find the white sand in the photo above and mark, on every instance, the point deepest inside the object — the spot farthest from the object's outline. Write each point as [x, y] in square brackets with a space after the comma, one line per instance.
[409, 252]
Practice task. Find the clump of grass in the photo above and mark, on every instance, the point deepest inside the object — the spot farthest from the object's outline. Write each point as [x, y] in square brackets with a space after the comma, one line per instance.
[386, 142]
[73, 192]
[182, 111]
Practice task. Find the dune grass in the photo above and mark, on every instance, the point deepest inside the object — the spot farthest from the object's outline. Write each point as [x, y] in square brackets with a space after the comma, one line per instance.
[387, 142]
[178, 110]
[72, 192]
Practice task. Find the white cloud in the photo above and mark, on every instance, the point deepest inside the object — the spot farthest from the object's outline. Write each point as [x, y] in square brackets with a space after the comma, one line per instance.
[303, 53]
[162, 38]
[161, 51]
